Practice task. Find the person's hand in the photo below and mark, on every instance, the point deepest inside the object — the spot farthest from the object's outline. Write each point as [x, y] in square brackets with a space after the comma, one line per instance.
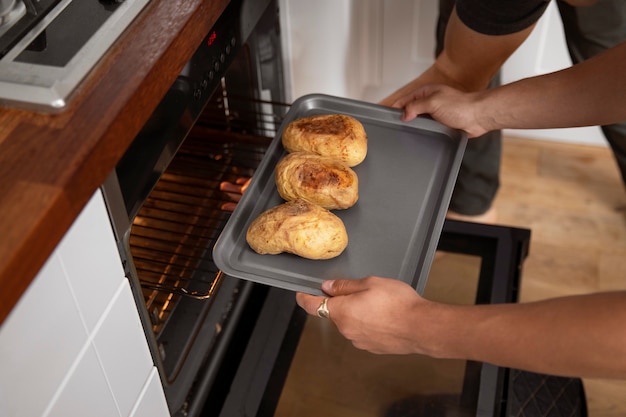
[234, 192]
[380, 315]
[447, 105]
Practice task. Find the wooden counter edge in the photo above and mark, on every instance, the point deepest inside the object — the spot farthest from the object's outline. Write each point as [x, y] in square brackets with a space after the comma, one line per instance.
[103, 117]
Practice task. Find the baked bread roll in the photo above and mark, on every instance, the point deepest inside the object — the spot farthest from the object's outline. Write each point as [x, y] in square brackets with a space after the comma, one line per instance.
[298, 227]
[321, 180]
[340, 136]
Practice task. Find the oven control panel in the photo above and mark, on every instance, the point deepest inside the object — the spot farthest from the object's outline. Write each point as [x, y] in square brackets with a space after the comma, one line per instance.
[211, 59]
[154, 147]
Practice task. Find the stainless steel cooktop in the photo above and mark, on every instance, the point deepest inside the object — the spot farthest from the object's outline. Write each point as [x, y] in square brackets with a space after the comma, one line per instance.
[48, 46]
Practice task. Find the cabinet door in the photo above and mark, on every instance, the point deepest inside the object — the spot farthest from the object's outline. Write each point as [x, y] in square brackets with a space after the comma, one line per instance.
[361, 49]
[408, 39]
[151, 403]
[39, 343]
[74, 341]
[91, 261]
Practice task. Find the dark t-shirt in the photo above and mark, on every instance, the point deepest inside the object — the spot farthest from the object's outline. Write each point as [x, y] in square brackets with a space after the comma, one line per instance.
[499, 17]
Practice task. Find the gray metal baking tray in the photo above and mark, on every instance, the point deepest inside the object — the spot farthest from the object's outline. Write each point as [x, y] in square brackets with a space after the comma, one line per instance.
[405, 184]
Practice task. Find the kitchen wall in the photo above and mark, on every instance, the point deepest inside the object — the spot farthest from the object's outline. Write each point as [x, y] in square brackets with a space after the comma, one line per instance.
[365, 49]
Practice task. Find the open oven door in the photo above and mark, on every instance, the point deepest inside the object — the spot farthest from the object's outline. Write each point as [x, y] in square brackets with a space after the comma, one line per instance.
[258, 376]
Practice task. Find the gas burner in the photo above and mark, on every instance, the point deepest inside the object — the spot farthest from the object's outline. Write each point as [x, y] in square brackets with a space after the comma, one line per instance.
[10, 12]
[48, 46]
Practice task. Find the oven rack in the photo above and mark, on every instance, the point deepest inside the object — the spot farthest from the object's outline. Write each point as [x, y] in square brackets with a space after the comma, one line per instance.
[173, 234]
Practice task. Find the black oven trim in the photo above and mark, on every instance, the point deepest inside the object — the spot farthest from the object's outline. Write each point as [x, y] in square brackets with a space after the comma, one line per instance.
[503, 251]
[154, 147]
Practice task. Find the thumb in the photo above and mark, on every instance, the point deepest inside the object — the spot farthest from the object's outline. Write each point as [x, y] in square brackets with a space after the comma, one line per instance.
[343, 286]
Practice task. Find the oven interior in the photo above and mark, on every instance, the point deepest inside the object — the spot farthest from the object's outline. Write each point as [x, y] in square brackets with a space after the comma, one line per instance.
[166, 206]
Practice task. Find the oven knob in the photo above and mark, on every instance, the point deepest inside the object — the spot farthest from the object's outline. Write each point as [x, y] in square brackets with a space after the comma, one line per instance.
[227, 49]
[197, 94]
[222, 58]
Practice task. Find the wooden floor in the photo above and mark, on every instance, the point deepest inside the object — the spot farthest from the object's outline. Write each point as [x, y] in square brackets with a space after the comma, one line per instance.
[573, 200]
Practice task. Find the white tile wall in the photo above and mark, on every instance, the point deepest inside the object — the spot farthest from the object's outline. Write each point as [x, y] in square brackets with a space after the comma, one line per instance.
[74, 345]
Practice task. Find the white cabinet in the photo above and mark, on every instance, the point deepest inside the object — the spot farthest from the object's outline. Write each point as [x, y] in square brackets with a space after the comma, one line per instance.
[74, 345]
[361, 49]
[123, 351]
[151, 402]
[78, 398]
[39, 343]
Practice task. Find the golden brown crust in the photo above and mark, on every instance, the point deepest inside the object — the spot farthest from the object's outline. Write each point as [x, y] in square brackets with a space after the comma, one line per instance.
[337, 135]
[320, 180]
[298, 227]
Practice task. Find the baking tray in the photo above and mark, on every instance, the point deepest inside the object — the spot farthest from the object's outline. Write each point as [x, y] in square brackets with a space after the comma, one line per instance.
[405, 184]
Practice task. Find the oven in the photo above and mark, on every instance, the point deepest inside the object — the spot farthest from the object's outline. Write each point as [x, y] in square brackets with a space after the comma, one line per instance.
[212, 337]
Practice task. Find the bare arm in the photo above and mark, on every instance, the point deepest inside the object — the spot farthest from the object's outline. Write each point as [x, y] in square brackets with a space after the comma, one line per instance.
[590, 93]
[575, 336]
[468, 62]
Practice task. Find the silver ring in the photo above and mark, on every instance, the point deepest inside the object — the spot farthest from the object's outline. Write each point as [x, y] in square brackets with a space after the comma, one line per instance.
[322, 310]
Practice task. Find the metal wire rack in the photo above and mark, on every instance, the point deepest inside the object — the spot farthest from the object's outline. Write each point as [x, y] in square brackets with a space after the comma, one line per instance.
[174, 232]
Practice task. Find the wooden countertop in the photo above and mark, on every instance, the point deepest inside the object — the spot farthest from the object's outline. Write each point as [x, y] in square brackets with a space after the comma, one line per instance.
[50, 165]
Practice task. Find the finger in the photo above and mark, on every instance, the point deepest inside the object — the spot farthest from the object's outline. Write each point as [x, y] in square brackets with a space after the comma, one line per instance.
[309, 303]
[229, 207]
[245, 185]
[415, 95]
[229, 187]
[414, 109]
[344, 286]
[401, 102]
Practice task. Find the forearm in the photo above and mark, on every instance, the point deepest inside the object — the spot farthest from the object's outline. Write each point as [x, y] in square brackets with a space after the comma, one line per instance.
[574, 336]
[581, 336]
[587, 94]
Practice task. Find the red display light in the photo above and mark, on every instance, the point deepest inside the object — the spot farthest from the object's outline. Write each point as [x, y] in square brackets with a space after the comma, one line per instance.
[212, 38]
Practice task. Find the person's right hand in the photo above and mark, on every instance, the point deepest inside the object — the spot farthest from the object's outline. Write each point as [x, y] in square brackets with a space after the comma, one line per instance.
[380, 315]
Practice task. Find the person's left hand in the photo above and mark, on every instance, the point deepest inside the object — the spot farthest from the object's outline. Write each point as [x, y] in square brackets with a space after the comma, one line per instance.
[447, 105]
[380, 315]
